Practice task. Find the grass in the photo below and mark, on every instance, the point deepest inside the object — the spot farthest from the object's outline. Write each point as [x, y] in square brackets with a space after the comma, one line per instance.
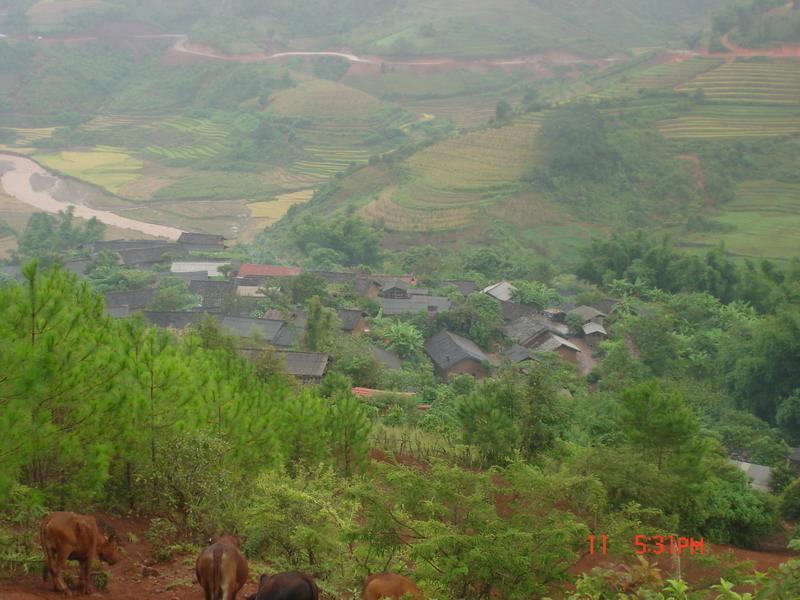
[753, 82]
[765, 218]
[105, 166]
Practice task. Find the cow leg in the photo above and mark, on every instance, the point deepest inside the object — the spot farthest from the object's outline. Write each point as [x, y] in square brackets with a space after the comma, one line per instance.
[86, 579]
[57, 571]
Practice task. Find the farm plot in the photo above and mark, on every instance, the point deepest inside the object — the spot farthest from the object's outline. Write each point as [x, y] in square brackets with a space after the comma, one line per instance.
[752, 82]
[660, 77]
[105, 166]
[325, 100]
[766, 218]
[208, 138]
[394, 217]
[469, 171]
[25, 137]
[271, 211]
[721, 121]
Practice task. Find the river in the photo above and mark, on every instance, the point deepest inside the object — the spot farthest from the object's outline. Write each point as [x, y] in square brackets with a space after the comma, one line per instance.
[29, 182]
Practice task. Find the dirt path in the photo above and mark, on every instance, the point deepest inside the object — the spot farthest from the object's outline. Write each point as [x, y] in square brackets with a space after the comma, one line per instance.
[29, 182]
[782, 51]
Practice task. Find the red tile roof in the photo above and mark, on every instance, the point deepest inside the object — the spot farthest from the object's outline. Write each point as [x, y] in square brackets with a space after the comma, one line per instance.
[251, 270]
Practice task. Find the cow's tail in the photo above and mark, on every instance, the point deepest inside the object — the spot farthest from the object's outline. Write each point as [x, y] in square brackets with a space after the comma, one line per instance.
[216, 573]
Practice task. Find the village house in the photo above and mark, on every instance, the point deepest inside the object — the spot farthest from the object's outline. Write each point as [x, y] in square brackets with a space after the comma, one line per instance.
[759, 476]
[503, 291]
[132, 300]
[555, 343]
[594, 333]
[528, 330]
[451, 353]
[211, 267]
[201, 242]
[147, 257]
[254, 271]
[517, 354]
[308, 367]
[588, 314]
[465, 286]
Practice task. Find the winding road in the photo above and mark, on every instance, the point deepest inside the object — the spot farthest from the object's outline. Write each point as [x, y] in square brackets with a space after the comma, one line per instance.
[18, 174]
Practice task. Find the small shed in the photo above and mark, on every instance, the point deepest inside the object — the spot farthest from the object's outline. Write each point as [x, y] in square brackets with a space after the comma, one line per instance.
[759, 475]
[588, 314]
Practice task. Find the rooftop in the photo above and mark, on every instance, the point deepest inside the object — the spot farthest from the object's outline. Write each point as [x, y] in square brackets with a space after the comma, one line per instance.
[254, 270]
[447, 349]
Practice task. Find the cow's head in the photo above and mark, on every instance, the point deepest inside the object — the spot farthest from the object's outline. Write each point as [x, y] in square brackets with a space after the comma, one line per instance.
[228, 538]
[108, 549]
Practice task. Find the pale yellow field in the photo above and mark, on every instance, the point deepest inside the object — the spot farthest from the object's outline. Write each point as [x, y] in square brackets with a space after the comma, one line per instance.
[273, 210]
[107, 167]
[386, 212]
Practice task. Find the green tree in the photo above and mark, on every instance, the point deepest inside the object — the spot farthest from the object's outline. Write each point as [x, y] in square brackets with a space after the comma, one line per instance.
[659, 423]
[536, 294]
[320, 325]
[404, 339]
[349, 430]
[306, 285]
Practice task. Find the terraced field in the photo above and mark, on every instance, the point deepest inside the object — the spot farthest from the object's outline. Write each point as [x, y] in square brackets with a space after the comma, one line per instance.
[751, 81]
[765, 218]
[721, 121]
[208, 139]
[660, 77]
[325, 100]
[449, 182]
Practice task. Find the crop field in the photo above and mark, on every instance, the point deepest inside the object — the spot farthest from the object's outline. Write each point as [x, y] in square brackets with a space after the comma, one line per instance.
[275, 209]
[25, 137]
[208, 139]
[325, 100]
[394, 217]
[719, 121]
[469, 171]
[766, 218]
[662, 77]
[752, 82]
[105, 166]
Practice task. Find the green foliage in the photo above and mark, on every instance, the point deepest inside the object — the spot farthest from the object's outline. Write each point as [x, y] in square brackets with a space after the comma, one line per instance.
[513, 413]
[536, 294]
[305, 285]
[321, 323]
[53, 237]
[479, 319]
[172, 293]
[404, 338]
[790, 501]
[351, 237]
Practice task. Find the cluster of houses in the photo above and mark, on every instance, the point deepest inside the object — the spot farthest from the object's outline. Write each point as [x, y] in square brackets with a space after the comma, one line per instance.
[230, 292]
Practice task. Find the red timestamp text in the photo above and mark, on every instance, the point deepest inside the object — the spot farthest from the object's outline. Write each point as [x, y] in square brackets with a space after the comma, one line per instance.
[656, 544]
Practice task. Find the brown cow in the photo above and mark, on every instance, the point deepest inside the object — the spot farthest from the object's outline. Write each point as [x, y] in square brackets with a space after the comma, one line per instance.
[389, 585]
[291, 585]
[221, 569]
[70, 536]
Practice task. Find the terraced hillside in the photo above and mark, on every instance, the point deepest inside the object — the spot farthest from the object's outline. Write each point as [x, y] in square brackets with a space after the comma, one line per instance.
[662, 76]
[752, 81]
[447, 183]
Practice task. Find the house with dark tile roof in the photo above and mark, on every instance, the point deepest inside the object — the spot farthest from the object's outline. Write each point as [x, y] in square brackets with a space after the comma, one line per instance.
[147, 257]
[131, 299]
[465, 286]
[201, 242]
[451, 353]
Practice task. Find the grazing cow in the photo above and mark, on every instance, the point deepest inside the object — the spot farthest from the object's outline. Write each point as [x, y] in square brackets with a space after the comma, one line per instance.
[221, 569]
[389, 585]
[286, 586]
[70, 536]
